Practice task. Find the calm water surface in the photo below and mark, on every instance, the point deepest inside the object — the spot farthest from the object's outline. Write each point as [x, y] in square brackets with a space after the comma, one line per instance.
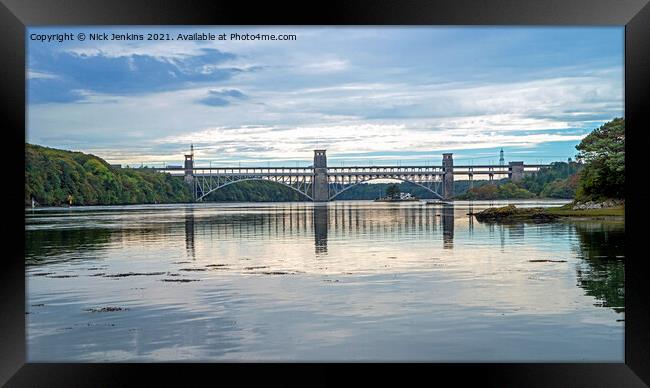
[344, 281]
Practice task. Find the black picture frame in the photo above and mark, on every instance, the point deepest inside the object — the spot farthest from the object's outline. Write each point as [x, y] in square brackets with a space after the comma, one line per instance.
[15, 15]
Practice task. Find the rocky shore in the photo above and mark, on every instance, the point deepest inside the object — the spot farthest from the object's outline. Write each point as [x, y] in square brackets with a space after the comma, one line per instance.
[605, 209]
[610, 203]
[512, 213]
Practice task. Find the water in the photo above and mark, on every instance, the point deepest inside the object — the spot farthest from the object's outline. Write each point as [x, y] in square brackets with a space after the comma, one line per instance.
[346, 281]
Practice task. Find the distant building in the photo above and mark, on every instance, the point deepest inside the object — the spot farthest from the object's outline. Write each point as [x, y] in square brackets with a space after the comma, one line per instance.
[116, 165]
[405, 196]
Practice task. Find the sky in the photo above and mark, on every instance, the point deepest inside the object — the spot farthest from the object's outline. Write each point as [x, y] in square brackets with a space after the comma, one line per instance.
[389, 95]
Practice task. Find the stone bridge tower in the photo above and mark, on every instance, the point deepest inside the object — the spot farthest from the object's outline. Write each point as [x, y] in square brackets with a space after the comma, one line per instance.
[189, 165]
[320, 184]
[516, 171]
[448, 177]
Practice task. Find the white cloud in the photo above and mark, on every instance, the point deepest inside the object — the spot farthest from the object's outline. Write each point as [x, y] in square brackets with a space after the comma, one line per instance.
[323, 66]
[31, 74]
[161, 50]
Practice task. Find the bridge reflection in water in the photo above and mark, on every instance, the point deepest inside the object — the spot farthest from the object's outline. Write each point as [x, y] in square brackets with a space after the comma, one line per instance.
[189, 232]
[334, 220]
[321, 220]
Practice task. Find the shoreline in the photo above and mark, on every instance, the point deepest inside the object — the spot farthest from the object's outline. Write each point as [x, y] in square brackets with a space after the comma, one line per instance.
[566, 212]
[424, 200]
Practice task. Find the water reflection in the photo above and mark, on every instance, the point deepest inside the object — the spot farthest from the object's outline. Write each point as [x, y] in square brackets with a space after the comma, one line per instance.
[189, 232]
[602, 273]
[324, 222]
[448, 226]
[349, 221]
[57, 244]
[516, 231]
[470, 217]
[321, 218]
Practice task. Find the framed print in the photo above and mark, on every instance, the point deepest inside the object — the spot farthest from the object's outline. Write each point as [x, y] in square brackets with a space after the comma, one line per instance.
[435, 188]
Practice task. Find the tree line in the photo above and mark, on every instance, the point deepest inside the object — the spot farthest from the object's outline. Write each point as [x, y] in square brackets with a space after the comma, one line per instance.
[56, 177]
[559, 180]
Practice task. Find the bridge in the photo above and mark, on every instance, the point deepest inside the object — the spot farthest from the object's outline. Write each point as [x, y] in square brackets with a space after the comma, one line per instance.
[321, 183]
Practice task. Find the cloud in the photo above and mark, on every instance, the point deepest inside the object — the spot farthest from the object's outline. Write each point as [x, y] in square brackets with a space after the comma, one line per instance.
[40, 75]
[347, 141]
[324, 66]
[121, 75]
[222, 97]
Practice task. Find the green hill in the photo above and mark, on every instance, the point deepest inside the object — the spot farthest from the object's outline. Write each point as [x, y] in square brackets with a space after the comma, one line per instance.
[52, 175]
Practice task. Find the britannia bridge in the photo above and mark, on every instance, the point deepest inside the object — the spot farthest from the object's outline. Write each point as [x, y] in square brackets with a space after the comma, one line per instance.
[321, 183]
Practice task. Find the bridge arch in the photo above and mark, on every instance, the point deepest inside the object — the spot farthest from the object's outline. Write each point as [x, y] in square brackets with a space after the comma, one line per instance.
[395, 178]
[200, 198]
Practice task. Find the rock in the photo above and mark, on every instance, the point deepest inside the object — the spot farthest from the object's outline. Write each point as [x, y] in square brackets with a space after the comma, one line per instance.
[598, 205]
[180, 280]
[106, 309]
[122, 275]
[511, 212]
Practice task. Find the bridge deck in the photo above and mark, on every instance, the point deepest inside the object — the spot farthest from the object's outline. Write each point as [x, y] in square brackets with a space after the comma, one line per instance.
[351, 173]
[349, 170]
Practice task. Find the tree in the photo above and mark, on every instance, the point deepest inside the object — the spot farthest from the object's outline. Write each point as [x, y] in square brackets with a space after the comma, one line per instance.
[392, 191]
[603, 152]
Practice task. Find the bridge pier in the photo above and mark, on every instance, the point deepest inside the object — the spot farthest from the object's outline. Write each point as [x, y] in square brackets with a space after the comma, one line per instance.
[516, 171]
[189, 171]
[320, 183]
[189, 166]
[448, 176]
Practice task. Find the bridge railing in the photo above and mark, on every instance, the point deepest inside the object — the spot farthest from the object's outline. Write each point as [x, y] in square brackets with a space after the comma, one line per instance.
[243, 170]
[352, 170]
[370, 170]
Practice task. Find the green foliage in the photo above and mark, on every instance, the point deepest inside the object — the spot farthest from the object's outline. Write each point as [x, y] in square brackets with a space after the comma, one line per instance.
[392, 191]
[255, 191]
[506, 190]
[603, 152]
[369, 191]
[561, 188]
[559, 180]
[52, 175]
